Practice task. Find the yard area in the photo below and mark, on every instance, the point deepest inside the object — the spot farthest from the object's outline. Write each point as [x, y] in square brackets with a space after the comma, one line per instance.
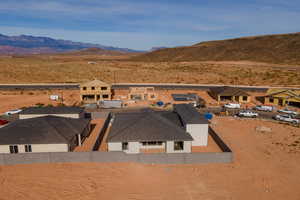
[266, 166]
[90, 141]
[17, 99]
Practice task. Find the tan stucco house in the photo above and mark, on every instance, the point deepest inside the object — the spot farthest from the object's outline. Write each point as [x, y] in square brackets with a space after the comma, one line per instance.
[43, 134]
[162, 131]
[60, 111]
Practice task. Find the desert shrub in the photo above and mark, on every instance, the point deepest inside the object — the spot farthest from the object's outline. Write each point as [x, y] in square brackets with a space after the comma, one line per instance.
[39, 104]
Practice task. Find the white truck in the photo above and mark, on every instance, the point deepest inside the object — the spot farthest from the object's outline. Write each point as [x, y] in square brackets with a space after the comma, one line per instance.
[287, 118]
[287, 111]
[247, 113]
[264, 108]
[11, 112]
[232, 105]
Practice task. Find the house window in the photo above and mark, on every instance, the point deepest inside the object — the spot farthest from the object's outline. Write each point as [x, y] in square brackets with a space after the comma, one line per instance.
[271, 100]
[105, 96]
[103, 88]
[245, 98]
[13, 149]
[93, 88]
[84, 88]
[178, 146]
[125, 146]
[28, 148]
[237, 98]
[153, 143]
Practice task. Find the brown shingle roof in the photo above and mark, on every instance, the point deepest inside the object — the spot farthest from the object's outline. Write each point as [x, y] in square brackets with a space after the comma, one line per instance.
[228, 91]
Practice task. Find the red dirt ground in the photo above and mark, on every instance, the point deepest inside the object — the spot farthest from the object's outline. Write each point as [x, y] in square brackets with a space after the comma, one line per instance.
[13, 100]
[266, 166]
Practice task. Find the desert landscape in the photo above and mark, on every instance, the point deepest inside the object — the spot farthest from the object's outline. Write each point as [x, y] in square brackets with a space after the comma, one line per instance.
[149, 100]
[264, 164]
[74, 69]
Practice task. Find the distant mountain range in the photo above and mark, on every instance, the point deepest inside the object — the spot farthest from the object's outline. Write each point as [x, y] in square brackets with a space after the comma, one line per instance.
[157, 48]
[27, 44]
[280, 48]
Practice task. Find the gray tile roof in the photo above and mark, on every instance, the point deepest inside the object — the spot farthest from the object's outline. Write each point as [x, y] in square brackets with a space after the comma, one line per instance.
[145, 126]
[189, 115]
[52, 110]
[42, 130]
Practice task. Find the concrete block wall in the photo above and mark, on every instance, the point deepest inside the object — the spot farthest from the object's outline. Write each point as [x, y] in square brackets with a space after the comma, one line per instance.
[73, 157]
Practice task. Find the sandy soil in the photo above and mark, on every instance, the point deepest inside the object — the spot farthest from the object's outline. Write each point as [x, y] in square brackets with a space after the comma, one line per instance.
[90, 141]
[266, 166]
[13, 100]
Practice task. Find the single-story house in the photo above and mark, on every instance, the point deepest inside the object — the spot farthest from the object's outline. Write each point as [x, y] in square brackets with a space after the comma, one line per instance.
[230, 94]
[282, 97]
[60, 111]
[43, 134]
[158, 131]
[188, 98]
[194, 123]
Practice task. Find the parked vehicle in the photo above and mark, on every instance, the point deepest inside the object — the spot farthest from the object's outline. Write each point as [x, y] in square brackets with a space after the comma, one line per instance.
[264, 108]
[232, 105]
[54, 97]
[11, 112]
[287, 111]
[287, 118]
[247, 113]
[3, 122]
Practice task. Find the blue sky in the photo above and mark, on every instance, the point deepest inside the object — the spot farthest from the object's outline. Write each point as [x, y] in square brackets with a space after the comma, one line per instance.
[142, 24]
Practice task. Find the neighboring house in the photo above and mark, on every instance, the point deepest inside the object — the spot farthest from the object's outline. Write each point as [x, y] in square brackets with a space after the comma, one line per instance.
[230, 94]
[192, 98]
[43, 134]
[95, 90]
[283, 97]
[152, 131]
[142, 93]
[194, 123]
[60, 111]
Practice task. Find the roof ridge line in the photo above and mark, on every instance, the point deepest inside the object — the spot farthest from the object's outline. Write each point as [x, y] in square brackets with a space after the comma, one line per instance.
[56, 130]
[129, 125]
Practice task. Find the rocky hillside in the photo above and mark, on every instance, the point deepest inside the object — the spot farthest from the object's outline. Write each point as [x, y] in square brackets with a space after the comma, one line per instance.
[284, 48]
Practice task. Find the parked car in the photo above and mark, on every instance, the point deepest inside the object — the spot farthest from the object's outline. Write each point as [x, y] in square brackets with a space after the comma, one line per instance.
[3, 122]
[232, 105]
[264, 108]
[247, 113]
[287, 111]
[11, 112]
[287, 118]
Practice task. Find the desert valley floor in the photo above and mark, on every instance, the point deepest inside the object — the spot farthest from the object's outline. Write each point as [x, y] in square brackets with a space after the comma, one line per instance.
[112, 69]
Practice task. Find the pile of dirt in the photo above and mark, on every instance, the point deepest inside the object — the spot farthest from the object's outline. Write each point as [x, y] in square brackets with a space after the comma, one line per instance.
[282, 48]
